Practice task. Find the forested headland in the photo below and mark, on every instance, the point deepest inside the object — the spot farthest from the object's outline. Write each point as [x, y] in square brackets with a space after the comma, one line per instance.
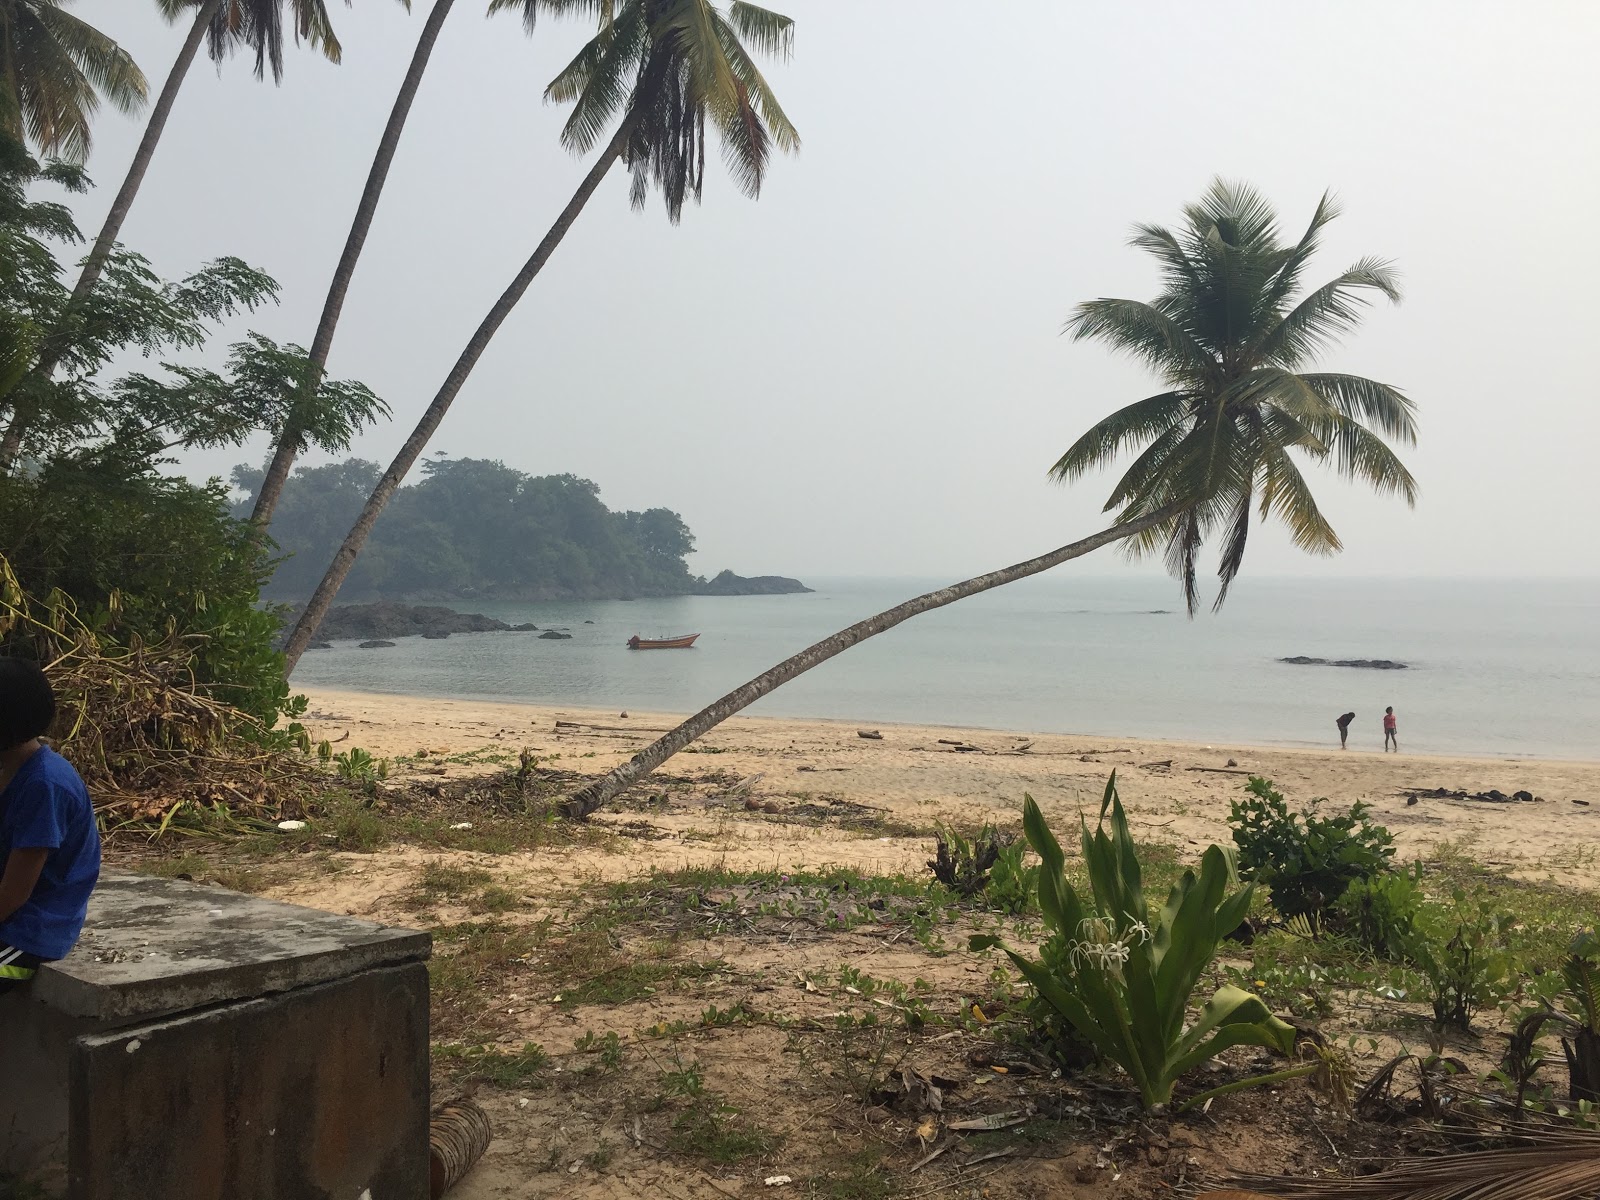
[474, 528]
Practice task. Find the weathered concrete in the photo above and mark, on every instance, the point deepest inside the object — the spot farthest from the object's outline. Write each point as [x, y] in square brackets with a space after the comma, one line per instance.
[259, 1014]
[317, 1092]
[156, 946]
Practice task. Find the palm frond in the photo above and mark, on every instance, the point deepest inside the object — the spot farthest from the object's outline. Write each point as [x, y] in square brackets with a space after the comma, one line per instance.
[1551, 1166]
[1325, 315]
[769, 32]
[1133, 425]
[597, 81]
[1368, 401]
[1362, 456]
[1286, 496]
[1143, 331]
[530, 9]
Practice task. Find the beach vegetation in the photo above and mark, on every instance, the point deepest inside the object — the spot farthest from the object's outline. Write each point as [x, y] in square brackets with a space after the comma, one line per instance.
[1123, 974]
[1382, 912]
[1306, 859]
[1233, 336]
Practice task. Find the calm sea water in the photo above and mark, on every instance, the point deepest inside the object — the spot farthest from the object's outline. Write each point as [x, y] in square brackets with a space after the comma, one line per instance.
[1498, 668]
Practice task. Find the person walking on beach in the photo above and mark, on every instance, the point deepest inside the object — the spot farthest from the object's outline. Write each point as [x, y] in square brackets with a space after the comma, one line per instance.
[1344, 728]
[1389, 734]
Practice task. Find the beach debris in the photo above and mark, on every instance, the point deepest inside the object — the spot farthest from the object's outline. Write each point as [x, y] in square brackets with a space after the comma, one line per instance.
[1585, 803]
[872, 735]
[1228, 770]
[461, 825]
[778, 1180]
[1232, 762]
[1492, 796]
[991, 1122]
[458, 1134]
[1164, 764]
[1362, 664]
[291, 826]
[922, 1093]
[623, 715]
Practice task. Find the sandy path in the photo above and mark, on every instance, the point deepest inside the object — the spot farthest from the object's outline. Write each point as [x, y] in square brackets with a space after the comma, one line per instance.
[919, 779]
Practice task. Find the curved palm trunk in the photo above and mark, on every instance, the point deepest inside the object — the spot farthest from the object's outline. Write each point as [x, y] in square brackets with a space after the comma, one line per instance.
[322, 599]
[100, 252]
[288, 447]
[584, 801]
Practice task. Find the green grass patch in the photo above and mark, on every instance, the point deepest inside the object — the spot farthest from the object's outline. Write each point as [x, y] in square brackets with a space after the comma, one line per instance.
[507, 1069]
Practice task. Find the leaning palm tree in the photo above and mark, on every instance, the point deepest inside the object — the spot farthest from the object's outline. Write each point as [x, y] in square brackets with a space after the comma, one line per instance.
[1230, 336]
[291, 441]
[662, 69]
[54, 68]
[225, 26]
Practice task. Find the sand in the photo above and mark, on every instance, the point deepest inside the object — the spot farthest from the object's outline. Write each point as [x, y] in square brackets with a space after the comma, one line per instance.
[914, 777]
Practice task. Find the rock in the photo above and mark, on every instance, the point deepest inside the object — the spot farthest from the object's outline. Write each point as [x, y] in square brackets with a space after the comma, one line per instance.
[870, 734]
[525, 627]
[433, 636]
[320, 646]
[291, 826]
[551, 635]
[389, 620]
[1525, 797]
[729, 584]
[1363, 664]
[588, 622]
[623, 716]
[376, 644]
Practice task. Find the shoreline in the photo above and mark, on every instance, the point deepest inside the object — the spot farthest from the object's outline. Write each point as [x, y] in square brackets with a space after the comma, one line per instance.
[915, 778]
[1193, 744]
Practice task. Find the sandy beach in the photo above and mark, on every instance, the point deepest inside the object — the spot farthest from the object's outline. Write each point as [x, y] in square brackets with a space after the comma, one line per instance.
[916, 776]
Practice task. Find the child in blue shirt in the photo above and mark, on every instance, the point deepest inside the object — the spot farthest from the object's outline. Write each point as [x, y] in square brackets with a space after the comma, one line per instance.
[49, 846]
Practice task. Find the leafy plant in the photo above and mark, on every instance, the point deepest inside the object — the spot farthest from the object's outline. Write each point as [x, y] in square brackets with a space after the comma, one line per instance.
[962, 865]
[1467, 970]
[1306, 859]
[1126, 977]
[1381, 912]
[1574, 1010]
[1013, 883]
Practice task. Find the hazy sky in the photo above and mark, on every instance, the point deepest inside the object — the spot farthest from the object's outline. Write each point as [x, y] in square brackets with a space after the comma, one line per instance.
[862, 372]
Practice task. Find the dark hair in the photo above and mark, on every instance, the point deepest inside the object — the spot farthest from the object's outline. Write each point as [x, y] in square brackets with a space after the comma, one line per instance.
[27, 702]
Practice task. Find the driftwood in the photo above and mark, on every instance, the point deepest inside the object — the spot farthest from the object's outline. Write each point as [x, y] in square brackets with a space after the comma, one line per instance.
[872, 735]
[457, 1138]
[1221, 770]
[1164, 765]
[572, 726]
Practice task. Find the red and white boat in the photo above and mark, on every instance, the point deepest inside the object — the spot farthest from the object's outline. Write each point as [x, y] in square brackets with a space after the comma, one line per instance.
[673, 643]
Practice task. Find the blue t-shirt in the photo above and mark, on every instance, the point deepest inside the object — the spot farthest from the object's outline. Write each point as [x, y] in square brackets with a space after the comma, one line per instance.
[46, 807]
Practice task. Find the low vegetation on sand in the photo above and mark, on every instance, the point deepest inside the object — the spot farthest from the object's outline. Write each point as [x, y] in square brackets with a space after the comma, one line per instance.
[1028, 1018]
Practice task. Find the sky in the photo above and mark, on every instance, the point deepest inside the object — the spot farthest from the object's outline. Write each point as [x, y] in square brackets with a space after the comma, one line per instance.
[862, 372]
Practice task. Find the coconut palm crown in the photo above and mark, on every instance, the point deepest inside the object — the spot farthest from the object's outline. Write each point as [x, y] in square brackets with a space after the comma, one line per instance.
[258, 26]
[54, 70]
[1231, 335]
[666, 67]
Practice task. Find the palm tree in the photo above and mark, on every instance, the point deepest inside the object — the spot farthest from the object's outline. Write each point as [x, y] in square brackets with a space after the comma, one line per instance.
[224, 25]
[665, 67]
[292, 439]
[1230, 336]
[54, 68]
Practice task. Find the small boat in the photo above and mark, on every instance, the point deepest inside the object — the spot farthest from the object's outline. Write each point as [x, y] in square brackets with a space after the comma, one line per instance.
[674, 643]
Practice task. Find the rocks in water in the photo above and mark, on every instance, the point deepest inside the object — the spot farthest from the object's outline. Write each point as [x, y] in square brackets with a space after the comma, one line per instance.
[729, 584]
[525, 627]
[1363, 664]
[376, 644]
[554, 635]
[320, 646]
[588, 622]
[435, 635]
[388, 620]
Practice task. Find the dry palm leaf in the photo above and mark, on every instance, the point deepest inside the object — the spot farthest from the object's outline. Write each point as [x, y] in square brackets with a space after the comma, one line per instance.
[1553, 1166]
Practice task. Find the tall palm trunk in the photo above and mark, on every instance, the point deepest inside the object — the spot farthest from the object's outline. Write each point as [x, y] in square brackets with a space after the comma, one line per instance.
[322, 599]
[288, 447]
[584, 801]
[94, 266]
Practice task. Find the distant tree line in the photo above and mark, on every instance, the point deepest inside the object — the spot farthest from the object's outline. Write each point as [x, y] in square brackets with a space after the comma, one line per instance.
[471, 528]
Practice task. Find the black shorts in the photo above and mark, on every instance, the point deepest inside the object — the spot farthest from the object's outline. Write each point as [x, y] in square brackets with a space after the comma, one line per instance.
[16, 967]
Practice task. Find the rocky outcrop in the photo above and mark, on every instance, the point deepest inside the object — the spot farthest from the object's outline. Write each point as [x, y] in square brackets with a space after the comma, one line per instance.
[729, 584]
[553, 635]
[1364, 664]
[376, 644]
[386, 619]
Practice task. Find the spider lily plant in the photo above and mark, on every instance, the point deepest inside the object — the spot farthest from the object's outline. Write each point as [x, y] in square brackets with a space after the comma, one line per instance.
[1123, 975]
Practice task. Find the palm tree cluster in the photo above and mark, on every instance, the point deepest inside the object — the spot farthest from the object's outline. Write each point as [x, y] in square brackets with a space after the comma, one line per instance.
[1233, 335]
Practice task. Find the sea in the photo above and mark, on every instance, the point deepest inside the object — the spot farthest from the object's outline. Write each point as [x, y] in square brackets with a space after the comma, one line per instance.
[1494, 667]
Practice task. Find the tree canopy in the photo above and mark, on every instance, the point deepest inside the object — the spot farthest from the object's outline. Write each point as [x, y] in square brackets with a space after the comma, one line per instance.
[473, 527]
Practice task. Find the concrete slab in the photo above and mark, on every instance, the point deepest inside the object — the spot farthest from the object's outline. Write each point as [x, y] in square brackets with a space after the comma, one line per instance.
[154, 946]
[321, 1092]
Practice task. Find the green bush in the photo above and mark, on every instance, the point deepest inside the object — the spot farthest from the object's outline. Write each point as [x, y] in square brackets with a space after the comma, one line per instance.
[1466, 960]
[1013, 882]
[1381, 913]
[1307, 860]
[1127, 974]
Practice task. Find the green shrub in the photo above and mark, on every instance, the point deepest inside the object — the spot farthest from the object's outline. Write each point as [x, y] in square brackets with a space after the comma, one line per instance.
[1466, 960]
[1307, 860]
[1013, 882]
[1127, 975]
[962, 865]
[1381, 913]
